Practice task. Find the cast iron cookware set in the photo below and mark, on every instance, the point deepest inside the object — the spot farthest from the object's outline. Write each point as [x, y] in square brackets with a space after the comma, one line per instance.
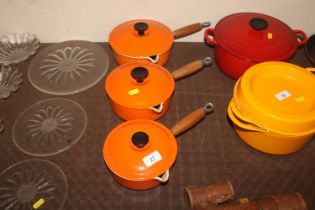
[272, 108]
[273, 104]
[140, 152]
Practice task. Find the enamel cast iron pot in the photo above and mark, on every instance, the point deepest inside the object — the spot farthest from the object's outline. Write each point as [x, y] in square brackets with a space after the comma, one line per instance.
[273, 107]
[146, 40]
[143, 90]
[140, 152]
[244, 39]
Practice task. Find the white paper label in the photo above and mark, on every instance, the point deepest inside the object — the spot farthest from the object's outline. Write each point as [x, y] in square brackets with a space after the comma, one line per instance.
[282, 95]
[0, 76]
[152, 158]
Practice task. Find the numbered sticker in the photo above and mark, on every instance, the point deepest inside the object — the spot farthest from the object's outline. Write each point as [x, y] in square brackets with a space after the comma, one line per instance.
[38, 203]
[283, 95]
[133, 91]
[152, 158]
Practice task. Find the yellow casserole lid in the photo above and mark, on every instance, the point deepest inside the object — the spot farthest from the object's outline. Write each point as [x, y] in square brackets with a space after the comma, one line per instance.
[278, 96]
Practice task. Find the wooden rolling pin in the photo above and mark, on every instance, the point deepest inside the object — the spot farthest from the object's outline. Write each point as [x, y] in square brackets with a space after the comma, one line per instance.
[209, 195]
[291, 201]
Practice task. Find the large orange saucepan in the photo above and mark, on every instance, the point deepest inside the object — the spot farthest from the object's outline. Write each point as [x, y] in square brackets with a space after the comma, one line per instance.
[273, 107]
[146, 40]
[141, 152]
[142, 90]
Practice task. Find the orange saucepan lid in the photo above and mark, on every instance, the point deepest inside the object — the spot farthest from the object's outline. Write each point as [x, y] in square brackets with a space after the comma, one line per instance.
[141, 38]
[139, 85]
[140, 150]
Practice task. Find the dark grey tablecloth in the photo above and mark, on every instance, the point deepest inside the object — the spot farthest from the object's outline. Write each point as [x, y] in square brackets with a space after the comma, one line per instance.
[209, 153]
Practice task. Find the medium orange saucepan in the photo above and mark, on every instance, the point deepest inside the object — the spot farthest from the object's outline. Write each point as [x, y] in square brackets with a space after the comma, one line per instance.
[141, 152]
[146, 40]
[143, 90]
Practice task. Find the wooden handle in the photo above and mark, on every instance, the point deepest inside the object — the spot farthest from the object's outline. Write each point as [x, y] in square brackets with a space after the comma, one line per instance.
[289, 201]
[209, 195]
[187, 122]
[190, 29]
[191, 68]
[251, 205]
[311, 70]
[191, 119]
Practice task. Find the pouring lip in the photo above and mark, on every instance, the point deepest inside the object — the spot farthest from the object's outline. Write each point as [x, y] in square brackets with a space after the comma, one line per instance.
[263, 128]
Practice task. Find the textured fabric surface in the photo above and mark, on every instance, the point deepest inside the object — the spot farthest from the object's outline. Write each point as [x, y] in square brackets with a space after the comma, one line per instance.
[209, 153]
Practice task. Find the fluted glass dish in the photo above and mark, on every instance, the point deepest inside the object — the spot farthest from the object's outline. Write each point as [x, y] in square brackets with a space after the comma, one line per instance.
[10, 80]
[16, 48]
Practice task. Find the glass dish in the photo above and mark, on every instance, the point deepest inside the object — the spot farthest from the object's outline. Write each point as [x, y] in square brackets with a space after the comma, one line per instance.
[49, 127]
[16, 48]
[10, 80]
[68, 67]
[33, 184]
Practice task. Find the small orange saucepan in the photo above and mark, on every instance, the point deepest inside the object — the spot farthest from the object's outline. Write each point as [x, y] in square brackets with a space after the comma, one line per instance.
[140, 152]
[146, 40]
[143, 90]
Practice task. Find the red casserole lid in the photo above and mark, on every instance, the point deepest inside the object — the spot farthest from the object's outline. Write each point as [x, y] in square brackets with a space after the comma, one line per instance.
[257, 37]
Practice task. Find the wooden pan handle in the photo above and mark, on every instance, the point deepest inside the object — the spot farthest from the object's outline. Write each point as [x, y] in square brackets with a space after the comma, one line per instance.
[291, 201]
[191, 68]
[288, 201]
[190, 29]
[234, 206]
[191, 119]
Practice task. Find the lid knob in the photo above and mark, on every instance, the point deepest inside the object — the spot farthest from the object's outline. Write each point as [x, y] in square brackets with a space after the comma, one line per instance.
[139, 74]
[140, 139]
[258, 23]
[141, 27]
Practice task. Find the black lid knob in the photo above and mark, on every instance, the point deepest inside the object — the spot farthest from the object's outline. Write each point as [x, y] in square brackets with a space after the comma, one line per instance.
[140, 139]
[258, 23]
[139, 74]
[141, 27]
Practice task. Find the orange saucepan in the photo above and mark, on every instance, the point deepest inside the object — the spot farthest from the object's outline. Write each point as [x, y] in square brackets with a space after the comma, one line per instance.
[140, 152]
[143, 90]
[146, 40]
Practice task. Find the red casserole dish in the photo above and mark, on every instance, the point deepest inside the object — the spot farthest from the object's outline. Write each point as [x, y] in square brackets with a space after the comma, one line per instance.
[244, 39]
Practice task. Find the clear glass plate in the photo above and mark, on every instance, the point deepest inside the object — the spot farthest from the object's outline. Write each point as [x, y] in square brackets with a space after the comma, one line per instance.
[10, 80]
[16, 48]
[68, 67]
[33, 184]
[49, 127]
